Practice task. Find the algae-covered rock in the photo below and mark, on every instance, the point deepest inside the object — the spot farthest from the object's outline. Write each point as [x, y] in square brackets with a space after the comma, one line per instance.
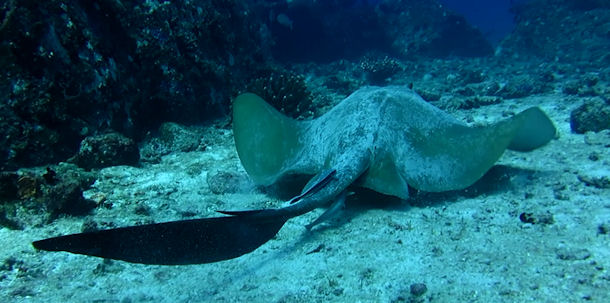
[179, 138]
[37, 195]
[107, 150]
[593, 115]
[379, 69]
[522, 86]
[429, 95]
[67, 198]
[478, 101]
[73, 68]
[286, 91]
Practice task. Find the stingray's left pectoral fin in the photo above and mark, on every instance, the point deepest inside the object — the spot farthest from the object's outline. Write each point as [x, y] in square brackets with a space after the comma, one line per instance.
[174, 243]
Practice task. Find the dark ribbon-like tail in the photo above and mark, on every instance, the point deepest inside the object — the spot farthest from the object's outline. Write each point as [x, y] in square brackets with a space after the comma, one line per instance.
[184, 242]
[175, 243]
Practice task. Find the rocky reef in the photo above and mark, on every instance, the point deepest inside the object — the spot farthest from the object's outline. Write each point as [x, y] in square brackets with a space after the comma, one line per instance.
[78, 69]
[70, 69]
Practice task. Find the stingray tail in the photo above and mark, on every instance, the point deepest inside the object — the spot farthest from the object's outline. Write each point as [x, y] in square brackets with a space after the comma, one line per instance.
[195, 241]
[175, 243]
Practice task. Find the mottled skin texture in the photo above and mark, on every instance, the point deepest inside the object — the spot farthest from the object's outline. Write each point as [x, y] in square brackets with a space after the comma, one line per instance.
[382, 138]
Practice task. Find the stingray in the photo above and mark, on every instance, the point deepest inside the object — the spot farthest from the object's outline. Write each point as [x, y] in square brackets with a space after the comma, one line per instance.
[382, 138]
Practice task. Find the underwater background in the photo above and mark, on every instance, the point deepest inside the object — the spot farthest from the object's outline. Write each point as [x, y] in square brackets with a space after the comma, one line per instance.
[118, 113]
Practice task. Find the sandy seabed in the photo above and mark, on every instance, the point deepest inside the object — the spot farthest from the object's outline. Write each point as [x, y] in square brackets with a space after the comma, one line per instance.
[465, 246]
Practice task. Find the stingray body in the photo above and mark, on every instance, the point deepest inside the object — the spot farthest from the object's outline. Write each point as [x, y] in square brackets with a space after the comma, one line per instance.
[382, 138]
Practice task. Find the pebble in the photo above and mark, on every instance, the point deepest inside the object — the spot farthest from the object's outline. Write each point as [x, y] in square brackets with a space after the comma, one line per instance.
[418, 289]
[572, 254]
[599, 178]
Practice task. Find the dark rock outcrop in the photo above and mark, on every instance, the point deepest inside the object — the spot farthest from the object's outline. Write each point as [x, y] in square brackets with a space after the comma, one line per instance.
[593, 115]
[107, 150]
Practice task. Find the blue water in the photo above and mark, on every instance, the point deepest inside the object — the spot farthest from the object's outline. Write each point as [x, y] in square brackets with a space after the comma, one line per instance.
[331, 30]
[492, 17]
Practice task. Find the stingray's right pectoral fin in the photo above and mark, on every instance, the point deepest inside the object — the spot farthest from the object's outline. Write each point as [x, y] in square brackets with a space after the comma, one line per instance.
[534, 129]
[175, 243]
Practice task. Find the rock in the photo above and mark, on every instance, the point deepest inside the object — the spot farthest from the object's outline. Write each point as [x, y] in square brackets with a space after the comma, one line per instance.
[465, 91]
[378, 70]
[469, 76]
[478, 101]
[522, 86]
[593, 156]
[429, 94]
[71, 70]
[89, 225]
[142, 210]
[418, 289]
[599, 178]
[571, 87]
[286, 91]
[8, 218]
[603, 228]
[107, 150]
[601, 138]
[108, 266]
[593, 115]
[226, 182]
[537, 218]
[67, 198]
[572, 254]
[28, 185]
[51, 190]
[179, 138]
[487, 88]
[582, 87]
[65, 194]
